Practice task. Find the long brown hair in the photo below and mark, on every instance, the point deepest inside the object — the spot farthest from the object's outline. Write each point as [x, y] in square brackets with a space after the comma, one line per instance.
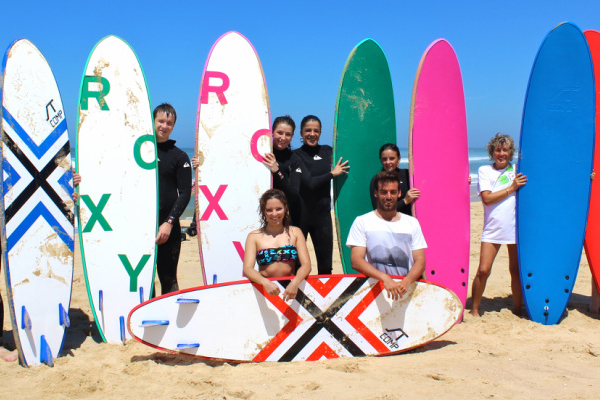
[278, 195]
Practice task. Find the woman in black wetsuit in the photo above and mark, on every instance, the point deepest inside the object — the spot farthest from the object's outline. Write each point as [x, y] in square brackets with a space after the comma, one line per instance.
[389, 155]
[316, 191]
[276, 247]
[286, 166]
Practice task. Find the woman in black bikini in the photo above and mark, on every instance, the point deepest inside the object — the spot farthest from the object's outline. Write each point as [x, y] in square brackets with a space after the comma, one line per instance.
[276, 247]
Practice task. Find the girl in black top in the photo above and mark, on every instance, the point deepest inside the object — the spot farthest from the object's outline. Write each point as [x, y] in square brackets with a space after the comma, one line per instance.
[389, 155]
[315, 193]
[286, 166]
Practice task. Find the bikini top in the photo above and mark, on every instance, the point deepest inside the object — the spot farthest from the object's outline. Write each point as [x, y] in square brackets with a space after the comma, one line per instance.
[287, 253]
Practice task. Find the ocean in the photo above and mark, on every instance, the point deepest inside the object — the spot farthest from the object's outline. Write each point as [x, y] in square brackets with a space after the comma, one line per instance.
[477, 158]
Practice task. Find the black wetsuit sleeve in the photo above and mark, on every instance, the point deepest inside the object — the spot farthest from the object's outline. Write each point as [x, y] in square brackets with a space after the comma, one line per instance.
[315, 182]
[404, 187]
[289, 184]
[184, 186]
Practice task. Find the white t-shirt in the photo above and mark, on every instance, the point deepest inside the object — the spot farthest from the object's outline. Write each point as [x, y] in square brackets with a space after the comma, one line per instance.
[499, 218]
[389, 244]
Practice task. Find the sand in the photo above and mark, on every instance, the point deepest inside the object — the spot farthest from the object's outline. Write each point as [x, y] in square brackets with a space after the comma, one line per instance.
[499, 356]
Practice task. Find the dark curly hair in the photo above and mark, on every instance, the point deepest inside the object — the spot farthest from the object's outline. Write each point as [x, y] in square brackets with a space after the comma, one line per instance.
[278, 195]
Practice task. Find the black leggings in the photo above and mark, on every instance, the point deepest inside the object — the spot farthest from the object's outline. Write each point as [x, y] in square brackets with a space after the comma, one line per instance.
[167, 258]
[321, 232]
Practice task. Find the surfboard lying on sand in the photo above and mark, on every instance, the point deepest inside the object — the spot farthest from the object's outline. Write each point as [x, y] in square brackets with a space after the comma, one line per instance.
[559, 110]
[116, 157]
[36, 206]
[438, 131]
[332, 316]
[233, 133]
[592, 233]
[365, 119]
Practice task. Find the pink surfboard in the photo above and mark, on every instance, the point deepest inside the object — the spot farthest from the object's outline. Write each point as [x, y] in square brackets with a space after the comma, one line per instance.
[439, 166]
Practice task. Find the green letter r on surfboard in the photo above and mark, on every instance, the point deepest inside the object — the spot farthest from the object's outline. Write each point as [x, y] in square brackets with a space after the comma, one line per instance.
[86, 93]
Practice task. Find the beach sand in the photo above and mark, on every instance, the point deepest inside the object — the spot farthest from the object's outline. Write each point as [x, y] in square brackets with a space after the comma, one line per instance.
[499, 356]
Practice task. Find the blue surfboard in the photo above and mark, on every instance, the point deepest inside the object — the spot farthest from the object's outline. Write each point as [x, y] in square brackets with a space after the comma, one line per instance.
[559, 113]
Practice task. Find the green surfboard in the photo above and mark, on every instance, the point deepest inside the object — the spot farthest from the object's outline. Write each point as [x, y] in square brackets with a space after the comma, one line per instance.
[365, 119]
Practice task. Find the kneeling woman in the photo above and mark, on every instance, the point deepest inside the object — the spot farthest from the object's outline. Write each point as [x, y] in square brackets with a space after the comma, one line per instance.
[276, 247]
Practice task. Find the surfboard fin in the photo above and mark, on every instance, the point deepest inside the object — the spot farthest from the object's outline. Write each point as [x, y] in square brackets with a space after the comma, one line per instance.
[214, 279]
[63, 316]
[45, 352]
[141, 294]
[25, 319]
[187, 301]
[122, 324]
[154, 322]
[183, 346]
[100, 301]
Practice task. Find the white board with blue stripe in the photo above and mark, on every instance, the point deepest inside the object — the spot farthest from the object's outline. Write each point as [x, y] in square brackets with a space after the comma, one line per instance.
[37, 206]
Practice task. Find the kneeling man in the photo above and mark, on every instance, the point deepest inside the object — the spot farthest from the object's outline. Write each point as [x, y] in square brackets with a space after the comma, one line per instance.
[391, 241]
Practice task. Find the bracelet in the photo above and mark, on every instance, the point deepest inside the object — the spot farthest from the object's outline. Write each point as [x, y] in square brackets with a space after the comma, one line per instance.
[507, 193]
[279, 174]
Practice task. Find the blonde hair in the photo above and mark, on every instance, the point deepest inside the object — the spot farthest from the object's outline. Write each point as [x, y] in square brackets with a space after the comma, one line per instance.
[501, 139]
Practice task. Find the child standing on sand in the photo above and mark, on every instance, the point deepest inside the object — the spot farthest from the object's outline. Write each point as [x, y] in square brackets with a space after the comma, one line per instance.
[497, 186]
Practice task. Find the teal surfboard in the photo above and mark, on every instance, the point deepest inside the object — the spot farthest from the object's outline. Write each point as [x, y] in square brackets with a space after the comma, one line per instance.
[365, 120]
[559, 112]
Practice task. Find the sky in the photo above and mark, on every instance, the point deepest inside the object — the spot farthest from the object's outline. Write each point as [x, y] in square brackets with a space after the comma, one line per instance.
[303, 46]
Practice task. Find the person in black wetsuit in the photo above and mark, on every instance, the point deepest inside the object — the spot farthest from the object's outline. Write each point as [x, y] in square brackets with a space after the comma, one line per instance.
[316, 191]
[286, 166]
[389, 155]
[174, 186]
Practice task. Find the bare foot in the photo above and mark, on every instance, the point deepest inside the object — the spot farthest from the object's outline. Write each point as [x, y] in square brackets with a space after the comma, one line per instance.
[474, 313]
[8, 355]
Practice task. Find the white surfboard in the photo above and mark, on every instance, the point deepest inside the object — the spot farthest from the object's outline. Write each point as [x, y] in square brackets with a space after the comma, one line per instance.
[116, 158]
[233, 133]
[332, 316]
[37, 207]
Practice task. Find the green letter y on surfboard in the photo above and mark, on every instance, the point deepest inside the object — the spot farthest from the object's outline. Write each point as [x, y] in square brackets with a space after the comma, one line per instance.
[133, 273]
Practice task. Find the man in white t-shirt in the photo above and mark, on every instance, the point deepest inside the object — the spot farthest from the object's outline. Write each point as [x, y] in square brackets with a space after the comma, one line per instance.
[385, 242]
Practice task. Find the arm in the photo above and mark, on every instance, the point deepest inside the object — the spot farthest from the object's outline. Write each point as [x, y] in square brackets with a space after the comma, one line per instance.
[305, 266]
[184, 190]
[76, 182]
[249, 271]
[394, 289]
[487, 197]
[411, 194]
[290, 185]
[417, 270]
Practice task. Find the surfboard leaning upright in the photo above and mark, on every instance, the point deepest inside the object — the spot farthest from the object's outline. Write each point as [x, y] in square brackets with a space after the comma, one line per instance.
[559, 110]
[592, 233]
[232, 134]
[116, 157]
[36, 204]
[438, 139]
[365, 119]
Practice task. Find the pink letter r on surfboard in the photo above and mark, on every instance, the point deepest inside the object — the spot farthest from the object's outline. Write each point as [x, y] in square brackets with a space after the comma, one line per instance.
[218, 90]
